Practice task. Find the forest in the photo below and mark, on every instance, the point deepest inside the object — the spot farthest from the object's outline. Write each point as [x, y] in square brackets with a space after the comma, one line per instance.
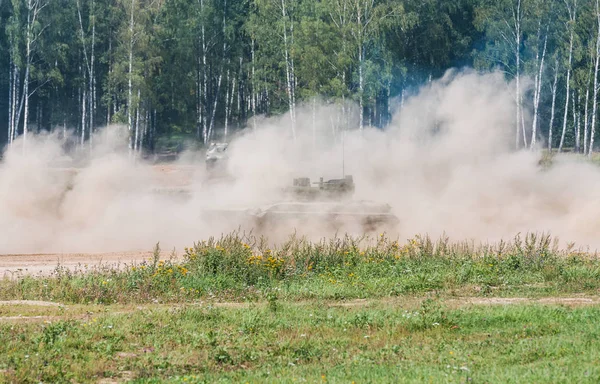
[204, 69]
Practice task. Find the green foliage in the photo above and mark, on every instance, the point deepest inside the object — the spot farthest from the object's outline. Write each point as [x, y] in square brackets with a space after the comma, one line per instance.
[246, 267]
[186, 57]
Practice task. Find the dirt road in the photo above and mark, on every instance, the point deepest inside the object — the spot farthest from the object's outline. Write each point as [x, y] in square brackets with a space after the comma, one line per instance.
[12, 265]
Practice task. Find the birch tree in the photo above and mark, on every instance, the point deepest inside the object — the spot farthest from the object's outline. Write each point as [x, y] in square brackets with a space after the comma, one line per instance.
[88, 45]
[539, 61]
[552, 109]
[33, 31]
[595, 83]
[503, 23]
[570, 24]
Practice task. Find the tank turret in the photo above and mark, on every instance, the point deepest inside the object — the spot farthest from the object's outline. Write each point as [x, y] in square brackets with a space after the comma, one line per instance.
[334, 189]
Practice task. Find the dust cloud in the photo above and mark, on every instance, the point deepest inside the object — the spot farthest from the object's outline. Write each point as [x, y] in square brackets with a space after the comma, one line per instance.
[446, 165]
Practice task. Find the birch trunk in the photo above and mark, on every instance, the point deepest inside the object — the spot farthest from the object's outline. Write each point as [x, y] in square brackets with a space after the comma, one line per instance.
[253, 96]
[83, 112]
[230, 109]
[109, 74]
[16, 115]
[554, 88]
[13, 106]
[360, 87]
[287, 71]
[314, 122]
[517, 21]
[214, 110]
[572, 16]
[10, 100]
[294, 79]
[538, 90]
[226, 104]
[130, 80]
[576, 118]
[92, 77]
[137, 125]
[204, 78]
[199, 97]
[585, 118]
[595, 97]
[32, 9]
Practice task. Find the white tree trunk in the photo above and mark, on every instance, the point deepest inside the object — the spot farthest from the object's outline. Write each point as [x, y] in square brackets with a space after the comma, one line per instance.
[31, 19]
[554, 88]
[576, 118]
[226, 104]
[359, 20]
[314, 122]
[10, 100]
[83, 115]
[538, 90]
[585, 118]
[204, 77]
[92, 77]
[16, 115]
[253, 95]
[199, 116]
[214, 110]
[288, 71]
[517, 21]
[230, 109]
[109, 73]
[572, 15]
[361, 106]
[137, 125]
[595, 97]
[130, 80]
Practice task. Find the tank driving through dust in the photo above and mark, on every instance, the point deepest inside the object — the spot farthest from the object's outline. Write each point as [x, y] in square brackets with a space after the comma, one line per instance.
[320, 207]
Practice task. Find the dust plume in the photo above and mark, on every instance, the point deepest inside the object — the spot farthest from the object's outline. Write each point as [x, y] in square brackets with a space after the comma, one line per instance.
[445, 164]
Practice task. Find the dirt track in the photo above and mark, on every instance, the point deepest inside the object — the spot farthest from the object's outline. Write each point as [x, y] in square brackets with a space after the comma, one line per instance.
[12, 265]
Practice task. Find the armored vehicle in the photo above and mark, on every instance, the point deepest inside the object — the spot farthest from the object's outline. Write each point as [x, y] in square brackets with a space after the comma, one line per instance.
[326, 207]
[216, 157]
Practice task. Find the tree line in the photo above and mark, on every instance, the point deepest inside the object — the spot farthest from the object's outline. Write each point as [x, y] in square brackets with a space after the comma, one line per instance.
[206, 68]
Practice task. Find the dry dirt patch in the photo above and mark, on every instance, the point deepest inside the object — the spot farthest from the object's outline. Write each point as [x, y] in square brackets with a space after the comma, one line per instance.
[30, 302]
[12, 265]
[568, 301]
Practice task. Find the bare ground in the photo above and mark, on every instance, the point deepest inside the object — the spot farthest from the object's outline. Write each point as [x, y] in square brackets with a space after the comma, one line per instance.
[27, 312]
[12, 265]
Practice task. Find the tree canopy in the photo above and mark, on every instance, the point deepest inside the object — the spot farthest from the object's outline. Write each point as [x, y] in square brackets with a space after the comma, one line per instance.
[205, 68]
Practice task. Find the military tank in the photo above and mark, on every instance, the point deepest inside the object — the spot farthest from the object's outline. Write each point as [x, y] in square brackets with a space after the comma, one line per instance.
[323, 206]
[216, 173]
[216, 157]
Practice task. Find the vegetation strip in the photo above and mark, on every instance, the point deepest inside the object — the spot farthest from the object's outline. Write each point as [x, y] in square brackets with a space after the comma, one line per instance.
[365, 310]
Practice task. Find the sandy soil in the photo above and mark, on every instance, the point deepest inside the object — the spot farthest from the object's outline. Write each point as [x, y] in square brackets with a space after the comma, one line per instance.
[12, 265]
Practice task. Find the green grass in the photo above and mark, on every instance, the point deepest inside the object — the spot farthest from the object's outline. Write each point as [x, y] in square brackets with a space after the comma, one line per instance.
[342, 310]
[311, 342]
[239, 268]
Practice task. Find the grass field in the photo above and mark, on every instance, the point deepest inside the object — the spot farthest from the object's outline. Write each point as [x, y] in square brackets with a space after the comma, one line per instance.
[340, 311]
